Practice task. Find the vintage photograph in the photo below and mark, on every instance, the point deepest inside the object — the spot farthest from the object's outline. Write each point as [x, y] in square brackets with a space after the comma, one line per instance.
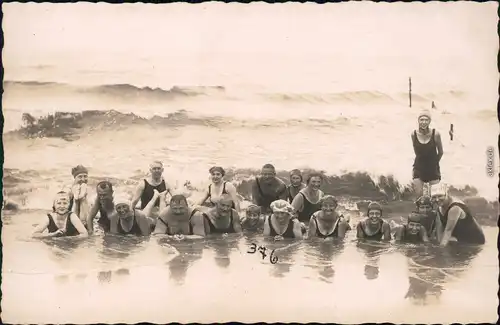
[214, 162]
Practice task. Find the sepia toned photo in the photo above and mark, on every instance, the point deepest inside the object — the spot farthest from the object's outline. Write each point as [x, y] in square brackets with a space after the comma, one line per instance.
[214, 162]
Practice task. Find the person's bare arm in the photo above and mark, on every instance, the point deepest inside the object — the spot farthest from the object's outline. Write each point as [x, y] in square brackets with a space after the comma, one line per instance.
[359, 230]
[282, 191]
[38, 231]
[198, 222]
[267, 229]
[454, 215]
[92, 214]
[148, 209]
[312, 229]
[439, 145]
[236, 222]
[143, 222]
[398, 236]
[137, 194]
[386, 230]
[231, 189]
[423, 235]
[113, 222]
[298, 203]
[205, 197]
[256, 197]
[413, 143]
[75, 220]
[297, 229]
[342, 228]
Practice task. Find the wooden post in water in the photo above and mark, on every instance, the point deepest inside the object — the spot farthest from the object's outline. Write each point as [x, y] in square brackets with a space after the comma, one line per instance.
[451, 132]
[409, 93]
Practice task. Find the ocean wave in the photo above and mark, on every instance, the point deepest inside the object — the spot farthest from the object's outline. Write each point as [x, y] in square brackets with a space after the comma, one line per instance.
[353, 189]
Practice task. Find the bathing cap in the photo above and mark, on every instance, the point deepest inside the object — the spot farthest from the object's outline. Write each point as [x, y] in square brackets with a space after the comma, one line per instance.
[281, 206]
[62, 194]
[121, 198]
[414, 217]
[253, 208]
[329, 198]
[426, 113]
[374, 206]
[217, 169]
[439, 189]
[75, 171]
[423, 200]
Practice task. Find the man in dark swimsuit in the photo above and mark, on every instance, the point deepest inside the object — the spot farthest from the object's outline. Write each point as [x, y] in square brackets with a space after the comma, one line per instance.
[295, 184]
[281, 224]
[428, 149]
[145, 189]
[179, 220]
[455, 222]
[268, 188]
[413, 232]
[308, 200]
[125, 221]
[374, 227]
[222, 219]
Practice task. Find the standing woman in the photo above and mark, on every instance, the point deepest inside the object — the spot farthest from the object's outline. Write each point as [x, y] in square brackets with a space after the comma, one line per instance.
[218, 188]
[62, 221]
[308, 200]
[328, 223]
[428, 149]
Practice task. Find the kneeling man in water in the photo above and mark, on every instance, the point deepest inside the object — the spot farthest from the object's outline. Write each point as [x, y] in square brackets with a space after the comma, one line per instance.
[222, 219]
[179, 220]
[62, 221]
[455, 221]
[374, 227]
[253, 219]
[327, 223]
[127, 221]
[413, 231]
[268, 188]
[281, 224]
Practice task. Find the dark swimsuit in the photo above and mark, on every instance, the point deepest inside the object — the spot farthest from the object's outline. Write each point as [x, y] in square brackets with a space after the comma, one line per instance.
[103, 220]
[169, 232]
[334, 233]
[288, 232]
[308, 210]
[135, 230]
[211, 204]
[466, 230]
[377, 236]
[70, 228]
[266, 200]
[410, 238]
[213, 230]
[426, 165]
[148, 193]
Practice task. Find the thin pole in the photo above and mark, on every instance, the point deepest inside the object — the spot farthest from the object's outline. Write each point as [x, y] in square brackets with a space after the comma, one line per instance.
[409, 93]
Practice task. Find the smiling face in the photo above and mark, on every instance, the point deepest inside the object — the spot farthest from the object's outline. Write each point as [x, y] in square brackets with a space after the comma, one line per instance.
[82, 178]
[156, 170]
[439, 199]
[282, 217]
[374, 215]
[105, 195]
[123, 210]
[267, 174]
[413, 227]
[328, 209]
[424, 209]
[62, 204]
[216, 176]
[315, 182]
[295, 180]
[424, 122]
[224, 206]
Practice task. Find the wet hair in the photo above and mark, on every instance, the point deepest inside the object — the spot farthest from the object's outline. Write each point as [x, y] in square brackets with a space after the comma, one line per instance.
[269, 166]
[310, 176]
[178, 198]
[105, 185]
[217, 168]
[329, 198]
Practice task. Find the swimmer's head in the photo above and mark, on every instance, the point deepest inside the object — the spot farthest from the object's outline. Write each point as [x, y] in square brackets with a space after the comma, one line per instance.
[104, 191]
[80, 174]
[217, 173]
[122, 205]
[178, 204]
[424, 204]
[282, 210]
[328, 204]
[295, 177]
[424, 119]
[268, 172]
[374, 211]
[224, 204]
[253, 212]
[371, 272]
[156, 169]
[413, 226]
[314, 180]
[62, 202]
[439, 193]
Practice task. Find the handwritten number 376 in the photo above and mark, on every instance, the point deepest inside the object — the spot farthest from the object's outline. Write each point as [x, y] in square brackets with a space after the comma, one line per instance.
[262, 250]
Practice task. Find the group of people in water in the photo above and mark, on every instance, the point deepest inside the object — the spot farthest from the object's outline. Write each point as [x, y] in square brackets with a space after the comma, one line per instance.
[298, 210]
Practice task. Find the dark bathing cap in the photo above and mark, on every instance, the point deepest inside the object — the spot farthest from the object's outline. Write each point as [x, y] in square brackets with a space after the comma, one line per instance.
[178, 198]
[217, 169]
[75, 171]
[374, 206]
[423, 200]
